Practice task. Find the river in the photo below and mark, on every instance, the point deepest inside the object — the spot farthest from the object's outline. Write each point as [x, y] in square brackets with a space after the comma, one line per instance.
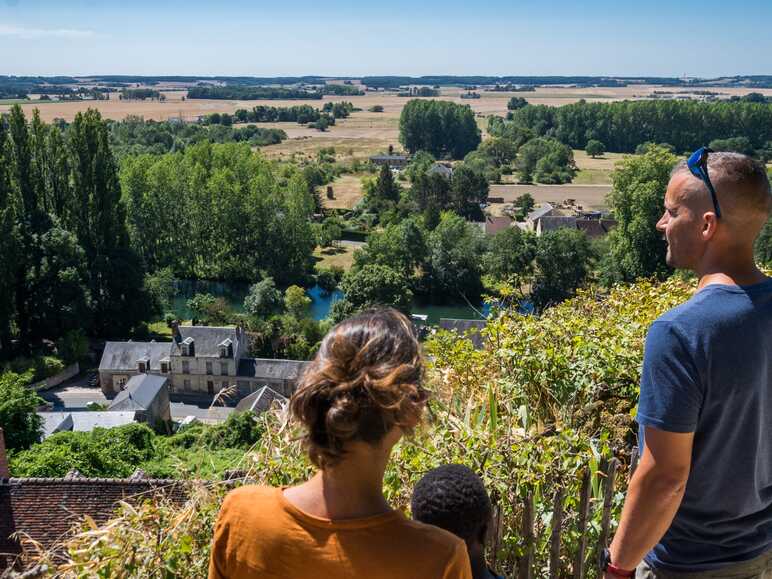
[321, 302]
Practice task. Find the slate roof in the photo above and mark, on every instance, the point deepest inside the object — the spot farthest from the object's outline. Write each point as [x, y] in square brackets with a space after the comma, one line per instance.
[140, 392]
[207, 339]
[270, 369]
[468, 328]
[124, 355]
[260, 400]
[545, 209]
[83, 420]
[45, 509]
[553, 222]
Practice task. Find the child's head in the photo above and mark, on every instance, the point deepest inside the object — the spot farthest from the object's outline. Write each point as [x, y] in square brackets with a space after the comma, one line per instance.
[364, 383]
[453, 498]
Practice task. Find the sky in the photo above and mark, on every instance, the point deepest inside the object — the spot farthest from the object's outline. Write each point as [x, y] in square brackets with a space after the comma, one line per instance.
[703, 38]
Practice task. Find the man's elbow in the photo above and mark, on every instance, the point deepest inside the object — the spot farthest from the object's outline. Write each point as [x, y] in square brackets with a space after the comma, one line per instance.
[666, 484]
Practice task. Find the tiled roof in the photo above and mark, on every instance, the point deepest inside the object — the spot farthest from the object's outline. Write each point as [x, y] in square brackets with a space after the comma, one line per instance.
[545, 209]
[139, 393]
[553, 222]
[46, 509]
[270, 369]
[207, 339]
[495, 224]
[260, 400]
[124, 355]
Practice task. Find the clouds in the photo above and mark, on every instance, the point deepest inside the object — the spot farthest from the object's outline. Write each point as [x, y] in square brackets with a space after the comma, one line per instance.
[25, 33]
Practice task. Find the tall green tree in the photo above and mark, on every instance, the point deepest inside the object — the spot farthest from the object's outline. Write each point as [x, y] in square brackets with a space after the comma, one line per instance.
[636, 248]
[468, 189]
[116, 273]
[443, 128]
[453, 263]
[9, 243]
[510, 254]
[562, 264]
[370, 286]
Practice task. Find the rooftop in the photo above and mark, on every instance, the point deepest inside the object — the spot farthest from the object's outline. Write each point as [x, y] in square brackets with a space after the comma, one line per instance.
[207, 339]
[124, 355]
[83, 420]
[271, 369]
[260, 400]
[140, 392]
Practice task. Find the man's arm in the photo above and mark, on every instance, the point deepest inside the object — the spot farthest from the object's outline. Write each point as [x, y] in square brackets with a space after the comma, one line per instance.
[653, 497]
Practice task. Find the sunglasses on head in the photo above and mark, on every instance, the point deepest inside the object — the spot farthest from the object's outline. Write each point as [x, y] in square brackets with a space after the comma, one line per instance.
[698, 165]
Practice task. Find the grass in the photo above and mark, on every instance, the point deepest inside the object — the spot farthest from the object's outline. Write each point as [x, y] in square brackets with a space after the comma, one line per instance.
[347, 190]
[342, 256]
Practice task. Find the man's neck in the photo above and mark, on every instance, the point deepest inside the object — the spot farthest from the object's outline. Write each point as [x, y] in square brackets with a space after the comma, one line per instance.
[737, 270]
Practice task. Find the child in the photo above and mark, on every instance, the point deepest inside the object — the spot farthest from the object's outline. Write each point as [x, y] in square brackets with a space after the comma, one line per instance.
[453, 498]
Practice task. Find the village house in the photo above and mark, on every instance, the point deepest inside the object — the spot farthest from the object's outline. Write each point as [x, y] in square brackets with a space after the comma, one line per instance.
[200, 360]
[391, 161]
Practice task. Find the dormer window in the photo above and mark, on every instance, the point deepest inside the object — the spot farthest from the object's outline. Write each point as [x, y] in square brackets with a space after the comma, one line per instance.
[143, 365]
[188, 347]
[165, 367]
[226, 348]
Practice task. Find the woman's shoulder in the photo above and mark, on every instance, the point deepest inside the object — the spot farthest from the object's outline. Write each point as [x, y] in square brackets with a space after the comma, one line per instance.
[249, 502]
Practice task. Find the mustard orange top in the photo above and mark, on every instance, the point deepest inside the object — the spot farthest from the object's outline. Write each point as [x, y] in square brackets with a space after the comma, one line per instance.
[259, 533]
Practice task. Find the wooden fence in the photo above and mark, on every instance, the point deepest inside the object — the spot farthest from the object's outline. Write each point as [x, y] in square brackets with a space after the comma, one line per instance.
[584, 558]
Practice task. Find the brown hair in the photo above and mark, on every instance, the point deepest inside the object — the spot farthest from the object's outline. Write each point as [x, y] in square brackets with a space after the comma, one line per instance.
[364, 381]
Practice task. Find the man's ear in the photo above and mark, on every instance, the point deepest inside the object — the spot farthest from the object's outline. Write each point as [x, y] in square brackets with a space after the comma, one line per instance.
[709, 225]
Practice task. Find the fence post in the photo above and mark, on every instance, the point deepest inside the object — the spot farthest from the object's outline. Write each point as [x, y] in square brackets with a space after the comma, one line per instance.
[525, 566]
[608, 495]
[495, 532]
[557, 523]
[584, 510]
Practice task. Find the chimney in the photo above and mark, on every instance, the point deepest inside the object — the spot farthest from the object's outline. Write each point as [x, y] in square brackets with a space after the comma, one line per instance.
[4, 472]
[175, 326]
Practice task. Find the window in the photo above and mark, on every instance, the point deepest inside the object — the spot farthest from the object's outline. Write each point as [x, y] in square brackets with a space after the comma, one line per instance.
[210, 386]
[164, 367]
[186, 384]
[223, 352]
[185, 367]
[223, 368]
[121, 381]
[141, 367]
[209, 368]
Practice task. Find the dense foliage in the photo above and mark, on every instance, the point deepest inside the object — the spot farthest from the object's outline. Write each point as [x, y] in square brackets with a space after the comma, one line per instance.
[196, 451]
[67, 262]
[219, 212]
[136, 136]
[18, 420]
[442, 128]
[251, 93]
[623, 125]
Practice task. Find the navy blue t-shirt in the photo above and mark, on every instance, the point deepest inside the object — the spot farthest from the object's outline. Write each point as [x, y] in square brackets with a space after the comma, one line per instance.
[707, 369]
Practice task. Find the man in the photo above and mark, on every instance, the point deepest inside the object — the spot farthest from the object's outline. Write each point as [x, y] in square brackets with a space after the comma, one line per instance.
[700, 502]
[453, 498]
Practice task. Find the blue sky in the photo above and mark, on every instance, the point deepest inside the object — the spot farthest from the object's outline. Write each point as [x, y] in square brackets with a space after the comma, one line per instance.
[399, 37]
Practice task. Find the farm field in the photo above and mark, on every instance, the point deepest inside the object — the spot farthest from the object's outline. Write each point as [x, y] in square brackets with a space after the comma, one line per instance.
[347, 190]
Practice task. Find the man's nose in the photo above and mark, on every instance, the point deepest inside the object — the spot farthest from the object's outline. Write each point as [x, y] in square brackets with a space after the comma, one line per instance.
[662, 223]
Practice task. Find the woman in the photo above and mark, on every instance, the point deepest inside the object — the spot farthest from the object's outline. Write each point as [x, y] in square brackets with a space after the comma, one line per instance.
[360, 395]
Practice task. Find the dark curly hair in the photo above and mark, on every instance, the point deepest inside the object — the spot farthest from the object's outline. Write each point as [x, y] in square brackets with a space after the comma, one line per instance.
[453, 498]
[364, 381]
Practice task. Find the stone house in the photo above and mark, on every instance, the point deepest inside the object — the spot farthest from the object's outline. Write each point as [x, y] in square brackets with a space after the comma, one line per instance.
[147, 395]
[200, 360]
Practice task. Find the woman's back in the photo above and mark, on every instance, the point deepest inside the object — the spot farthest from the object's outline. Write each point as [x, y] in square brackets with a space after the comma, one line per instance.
[261, 534]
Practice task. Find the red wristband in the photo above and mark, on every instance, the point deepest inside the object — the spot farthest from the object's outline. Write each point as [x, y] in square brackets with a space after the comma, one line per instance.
[614, 570]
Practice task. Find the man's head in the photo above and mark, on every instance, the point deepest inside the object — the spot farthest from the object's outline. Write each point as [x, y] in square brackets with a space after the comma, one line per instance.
[453, 498]
[689, 224]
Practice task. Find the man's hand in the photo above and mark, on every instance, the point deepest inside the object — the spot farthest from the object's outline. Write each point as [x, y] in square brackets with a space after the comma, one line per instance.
[653, 497]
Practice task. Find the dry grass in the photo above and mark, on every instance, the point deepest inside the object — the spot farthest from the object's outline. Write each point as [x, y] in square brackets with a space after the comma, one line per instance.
[347, 190]
[342, 256]
[595, 171]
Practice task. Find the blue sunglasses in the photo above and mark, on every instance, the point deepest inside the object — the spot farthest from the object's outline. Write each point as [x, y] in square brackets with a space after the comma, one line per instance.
[698, 165]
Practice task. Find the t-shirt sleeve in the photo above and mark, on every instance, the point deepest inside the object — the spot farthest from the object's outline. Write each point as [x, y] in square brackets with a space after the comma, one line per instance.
[459, 566]
[671, 390]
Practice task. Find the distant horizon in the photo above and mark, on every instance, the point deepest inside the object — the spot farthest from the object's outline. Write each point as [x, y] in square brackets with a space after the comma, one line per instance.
[695, 38]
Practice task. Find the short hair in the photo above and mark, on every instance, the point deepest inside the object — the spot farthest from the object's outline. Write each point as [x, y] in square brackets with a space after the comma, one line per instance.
[364, 381]
[740, 180]
[453, 498]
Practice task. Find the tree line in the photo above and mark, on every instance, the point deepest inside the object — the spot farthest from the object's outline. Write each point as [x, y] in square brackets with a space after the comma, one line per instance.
[441, 128]
[67, 261]
[622, 126]
[251, 93]
[134, 135]
[219, 212]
